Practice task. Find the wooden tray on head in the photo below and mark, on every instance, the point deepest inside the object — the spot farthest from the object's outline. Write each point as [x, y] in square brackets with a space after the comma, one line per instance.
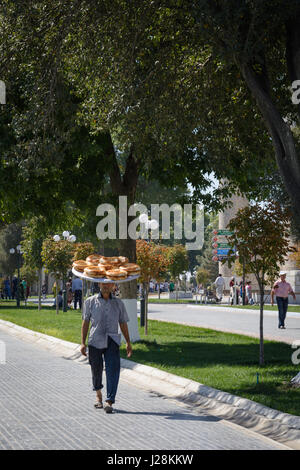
[102, 279]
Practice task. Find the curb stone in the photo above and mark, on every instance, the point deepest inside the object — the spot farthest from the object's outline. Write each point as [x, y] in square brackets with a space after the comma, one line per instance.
[281, 427]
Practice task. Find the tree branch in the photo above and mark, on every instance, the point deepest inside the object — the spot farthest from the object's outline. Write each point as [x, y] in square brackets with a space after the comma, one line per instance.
[282, 137]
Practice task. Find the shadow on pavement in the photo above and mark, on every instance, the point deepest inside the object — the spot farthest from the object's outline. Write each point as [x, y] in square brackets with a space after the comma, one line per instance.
[175, 416]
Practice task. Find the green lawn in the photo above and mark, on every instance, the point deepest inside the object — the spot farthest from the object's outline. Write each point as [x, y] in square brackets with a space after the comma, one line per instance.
[224, 361]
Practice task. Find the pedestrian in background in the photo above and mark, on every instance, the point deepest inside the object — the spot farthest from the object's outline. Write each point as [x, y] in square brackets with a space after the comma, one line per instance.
[69, 292]
[44, 291]
[231, 286]
[249, 299]
[60, 300]
[77, 291]
[7, 291]
[220, 284]
[14, 287]
[282, 289]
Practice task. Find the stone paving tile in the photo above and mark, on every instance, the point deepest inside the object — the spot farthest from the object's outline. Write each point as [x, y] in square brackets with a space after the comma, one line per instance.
[46, 402]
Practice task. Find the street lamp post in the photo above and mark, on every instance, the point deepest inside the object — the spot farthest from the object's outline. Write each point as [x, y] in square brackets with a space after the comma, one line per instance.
[153, 225]
[70, 238]
[19, 253]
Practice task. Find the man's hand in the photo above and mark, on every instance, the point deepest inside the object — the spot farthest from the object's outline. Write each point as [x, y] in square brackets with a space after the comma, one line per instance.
[83, 349]
[129, 349]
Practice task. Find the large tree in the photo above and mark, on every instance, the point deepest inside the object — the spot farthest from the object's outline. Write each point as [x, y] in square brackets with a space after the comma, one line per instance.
[149, 82]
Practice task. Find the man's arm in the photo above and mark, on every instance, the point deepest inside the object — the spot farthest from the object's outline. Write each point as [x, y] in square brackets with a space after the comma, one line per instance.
[84, 331]
[272, 297]
[292, 293]
[124, 329]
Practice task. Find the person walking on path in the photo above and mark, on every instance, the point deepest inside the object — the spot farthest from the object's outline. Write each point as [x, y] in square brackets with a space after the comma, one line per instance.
[7, 291]
[44, 291]
[14, 287]
[69, 292]
[282, 289]
[77, 290]
[249, 299]
[219, 283]
[105, 313]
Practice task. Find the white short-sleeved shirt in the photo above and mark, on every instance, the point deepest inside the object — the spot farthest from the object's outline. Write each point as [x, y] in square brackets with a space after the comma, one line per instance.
[105, 317]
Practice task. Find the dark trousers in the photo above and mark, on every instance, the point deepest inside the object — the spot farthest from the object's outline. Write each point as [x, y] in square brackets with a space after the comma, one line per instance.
[77, 298]
[112, 368]
[7, 293]
[282, 304]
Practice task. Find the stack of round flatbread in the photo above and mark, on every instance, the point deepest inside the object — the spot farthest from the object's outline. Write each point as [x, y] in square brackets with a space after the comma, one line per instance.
[115, 268]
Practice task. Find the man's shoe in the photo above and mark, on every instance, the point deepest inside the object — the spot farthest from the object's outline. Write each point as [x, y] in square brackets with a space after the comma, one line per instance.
[98, 405]
[108, 408]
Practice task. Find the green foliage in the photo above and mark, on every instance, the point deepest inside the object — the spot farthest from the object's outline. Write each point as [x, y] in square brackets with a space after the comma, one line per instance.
[83, 250]
[57, 256]
[261, 237]
[102, 94]
[178, 260]
[202, 276]
[164, 99]
[152, 259]
[33, 234]
[28, 273]
[204, 259]
[10, 237]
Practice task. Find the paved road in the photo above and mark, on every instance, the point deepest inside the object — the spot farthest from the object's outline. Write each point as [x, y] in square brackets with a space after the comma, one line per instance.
[236, 320]
[46, 402]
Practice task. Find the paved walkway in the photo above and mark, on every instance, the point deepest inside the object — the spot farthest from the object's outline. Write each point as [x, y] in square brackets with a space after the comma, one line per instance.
[234, 320]
[46, 402]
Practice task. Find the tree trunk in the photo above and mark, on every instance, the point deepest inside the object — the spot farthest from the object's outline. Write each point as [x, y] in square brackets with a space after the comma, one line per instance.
[126, 186]
[56, 296]
[159, 290]
[283, 140]
[146, 307]
[261, 328]
[39, 289]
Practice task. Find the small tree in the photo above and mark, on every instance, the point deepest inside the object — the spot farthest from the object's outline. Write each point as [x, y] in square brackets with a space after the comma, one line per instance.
[57, 258]
[202, 276]
[153, 261]
[178, 262]
[260, 235]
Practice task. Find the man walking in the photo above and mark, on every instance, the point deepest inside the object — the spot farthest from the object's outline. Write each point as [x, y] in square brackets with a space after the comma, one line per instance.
[7, 291]
[219, 283]
[105, 313]
[77, 290]
[282, 289]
